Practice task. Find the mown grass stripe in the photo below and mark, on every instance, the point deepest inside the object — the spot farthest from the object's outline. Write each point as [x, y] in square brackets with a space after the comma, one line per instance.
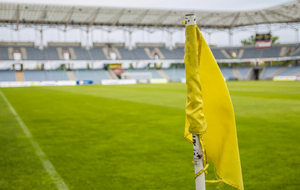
[60, 184]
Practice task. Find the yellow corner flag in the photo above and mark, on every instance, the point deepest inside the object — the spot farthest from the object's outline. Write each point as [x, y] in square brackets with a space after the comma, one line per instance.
[209, 110]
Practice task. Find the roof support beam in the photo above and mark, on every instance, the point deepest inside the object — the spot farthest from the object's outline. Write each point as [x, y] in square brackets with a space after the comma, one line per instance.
[264, 17]
[17, 16]
[140, 18]
[235, 19]
[68, 17]
[282, 15]
[42, 17]
[94, 16]
[223, 18]
[161, 18]
[116, 18]
[204, 19]
[251, 20]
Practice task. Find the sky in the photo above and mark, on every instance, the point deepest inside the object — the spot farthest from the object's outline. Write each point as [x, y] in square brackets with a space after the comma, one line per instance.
[218, 38]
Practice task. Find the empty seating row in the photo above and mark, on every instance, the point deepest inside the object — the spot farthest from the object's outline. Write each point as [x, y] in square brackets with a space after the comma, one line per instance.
[153, 72]
[36, 75]
[289, 71]
[244, 71]
[270, 70]
[94, 75]
[7, 76]
[175, 74]
[139, 53]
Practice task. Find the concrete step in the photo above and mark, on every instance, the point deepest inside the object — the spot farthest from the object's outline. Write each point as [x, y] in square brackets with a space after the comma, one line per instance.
[275, 73]
[237, 74]
[71, 75]
[163, 74]
[20, 76]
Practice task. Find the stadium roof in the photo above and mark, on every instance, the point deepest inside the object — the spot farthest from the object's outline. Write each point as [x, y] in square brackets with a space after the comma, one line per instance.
[16, 13]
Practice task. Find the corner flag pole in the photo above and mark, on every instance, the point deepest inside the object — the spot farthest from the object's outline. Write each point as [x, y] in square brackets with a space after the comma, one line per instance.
[198, 163]
[190, 19]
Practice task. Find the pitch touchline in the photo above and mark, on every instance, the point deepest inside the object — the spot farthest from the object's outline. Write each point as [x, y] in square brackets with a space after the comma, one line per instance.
[60, 184]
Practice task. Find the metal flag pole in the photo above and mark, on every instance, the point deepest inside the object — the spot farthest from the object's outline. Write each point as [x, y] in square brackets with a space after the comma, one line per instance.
[190, 19]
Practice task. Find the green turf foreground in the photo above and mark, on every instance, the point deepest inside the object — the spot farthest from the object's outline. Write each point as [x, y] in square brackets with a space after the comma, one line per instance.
[131, 137]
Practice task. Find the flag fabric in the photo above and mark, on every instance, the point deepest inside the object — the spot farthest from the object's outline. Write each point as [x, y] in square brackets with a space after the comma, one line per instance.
[209, 111]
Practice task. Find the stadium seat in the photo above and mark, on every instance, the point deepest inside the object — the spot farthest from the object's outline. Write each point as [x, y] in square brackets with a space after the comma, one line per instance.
[244, 71]
[94, 75]
[270, 70]
[4, 53]
[97, 53]
[154, 73]
[289, 71]
[34, 76]
[175, 74]
[7, 76]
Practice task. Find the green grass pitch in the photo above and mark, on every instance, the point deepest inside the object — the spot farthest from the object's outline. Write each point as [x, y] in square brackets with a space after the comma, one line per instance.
[131, 137]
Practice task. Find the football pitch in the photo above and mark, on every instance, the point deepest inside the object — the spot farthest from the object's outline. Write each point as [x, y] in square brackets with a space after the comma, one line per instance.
[130, 137]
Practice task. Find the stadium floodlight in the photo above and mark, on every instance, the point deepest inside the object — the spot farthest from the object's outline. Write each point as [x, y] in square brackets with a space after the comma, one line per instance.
[139, 76]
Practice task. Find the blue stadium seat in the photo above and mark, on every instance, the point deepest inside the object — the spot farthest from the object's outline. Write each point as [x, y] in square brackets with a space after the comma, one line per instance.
[34, 54]
[179, 52]
[7, 76]
[34, 76]
[82, 54]
[155, 74]
[4, 53]
[289, 71]
[170, 54]
[140, 54]
[126, 54]
[175, 74]
[227, 72]
[270, 70]
[271, 52]
[97, 53]
[94, 75]
[56, 75]
[50, 53]
[244, 71]
[218, 54]
[252, 53]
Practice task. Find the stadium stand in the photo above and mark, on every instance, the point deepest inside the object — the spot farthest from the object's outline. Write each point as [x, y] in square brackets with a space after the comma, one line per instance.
[56, 75]
[297, 53]
[175, 74]
[244, 71]
[139, 53]
[126, 54]
[271, 52]
[7, 76]
[155, 74]
[289, 71]
[50, 53]
[34, 75]
[97, 53]
[270, 70]
[218, 54]
[227, 72]
[251, 52]
[34, 54]
[82, 54]
[4, 53]
[94, 75]
[169, 54]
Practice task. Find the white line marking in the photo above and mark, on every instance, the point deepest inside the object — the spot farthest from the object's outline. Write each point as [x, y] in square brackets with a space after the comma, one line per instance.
[60, 184]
